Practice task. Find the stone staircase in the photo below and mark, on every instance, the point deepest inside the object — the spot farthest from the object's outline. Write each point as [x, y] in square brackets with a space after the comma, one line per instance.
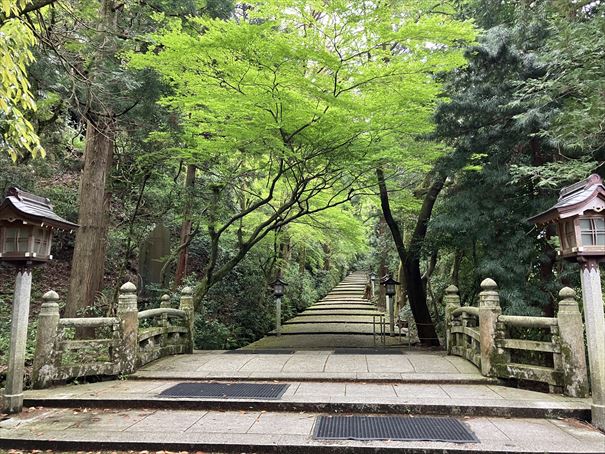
[133, 414]
[344, 318]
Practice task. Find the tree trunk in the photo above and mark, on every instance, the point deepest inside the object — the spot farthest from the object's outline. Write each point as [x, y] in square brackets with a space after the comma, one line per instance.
[411, 257]
[88, 263]
[402, 291]
[181, 267]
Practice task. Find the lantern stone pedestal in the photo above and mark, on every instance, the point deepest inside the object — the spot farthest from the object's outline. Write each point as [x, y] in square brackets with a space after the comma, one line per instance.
[278, 316]
[594, 319]
[13, 392]
[391, 310]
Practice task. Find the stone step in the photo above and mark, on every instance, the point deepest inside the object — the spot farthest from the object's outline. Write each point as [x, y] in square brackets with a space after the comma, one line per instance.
[322, 328]
[329, 397]
[350, 298]
[338, 312]
[330, 319]
[79, 429]
[322, 341]
[339, 307]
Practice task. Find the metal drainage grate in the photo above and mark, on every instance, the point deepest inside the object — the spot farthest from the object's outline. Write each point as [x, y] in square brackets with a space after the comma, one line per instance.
[260, 351]
[226, 390]
[392, 428]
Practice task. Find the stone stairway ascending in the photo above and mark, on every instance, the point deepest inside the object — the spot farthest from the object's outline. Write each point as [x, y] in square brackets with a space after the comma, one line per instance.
[343, 318]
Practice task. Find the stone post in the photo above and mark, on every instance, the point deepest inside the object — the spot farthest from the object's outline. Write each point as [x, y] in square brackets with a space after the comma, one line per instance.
[594, 319]
[451, 300]
[186, 304]
[278, 315]
[165, 301]
[573, 353]
[13, 392]
[489, 311]
[391, 309]
[128, 315]
[44, 367]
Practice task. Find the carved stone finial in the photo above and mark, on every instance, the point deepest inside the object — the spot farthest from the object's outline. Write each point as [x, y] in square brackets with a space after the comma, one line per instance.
[187, 291]
[51, 296]
[567, 293]
[489, 284]
[451, 290]
[128, 287]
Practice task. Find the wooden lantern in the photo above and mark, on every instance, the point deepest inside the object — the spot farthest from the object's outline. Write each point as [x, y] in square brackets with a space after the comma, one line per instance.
[279, 287]
[389, 286]
[580, 219]
[27, 222]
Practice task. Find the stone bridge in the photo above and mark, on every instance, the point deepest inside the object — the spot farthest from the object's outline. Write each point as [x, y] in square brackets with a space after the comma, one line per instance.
[330, 359]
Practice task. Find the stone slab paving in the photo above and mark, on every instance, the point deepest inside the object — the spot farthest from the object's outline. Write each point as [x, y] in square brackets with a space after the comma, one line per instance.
[257, 431]
[409, 366]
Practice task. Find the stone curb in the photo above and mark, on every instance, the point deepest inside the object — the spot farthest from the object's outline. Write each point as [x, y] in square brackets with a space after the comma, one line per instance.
[511, 411]
[148, 375]
[233, 447]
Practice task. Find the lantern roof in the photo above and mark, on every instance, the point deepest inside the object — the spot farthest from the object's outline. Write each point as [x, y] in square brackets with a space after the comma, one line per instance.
[23, 205]
[278, 281]
[389, 280]
[574, 200]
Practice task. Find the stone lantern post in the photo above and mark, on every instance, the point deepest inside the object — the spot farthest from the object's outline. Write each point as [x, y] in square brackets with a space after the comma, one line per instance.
[27, 223]
[580, 222]
[278, 292]
[390, 290]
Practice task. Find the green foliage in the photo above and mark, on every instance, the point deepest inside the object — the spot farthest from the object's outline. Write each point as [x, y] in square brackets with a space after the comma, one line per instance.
[574, 84]
[16, 98]
[498, 121]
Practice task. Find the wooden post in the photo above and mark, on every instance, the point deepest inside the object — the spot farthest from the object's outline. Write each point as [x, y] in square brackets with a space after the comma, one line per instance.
[44, 365]
[489, 311]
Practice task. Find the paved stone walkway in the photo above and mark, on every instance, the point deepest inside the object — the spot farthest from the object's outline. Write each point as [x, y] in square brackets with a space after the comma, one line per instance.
[408, 366]
[343, 318]
[258, 431]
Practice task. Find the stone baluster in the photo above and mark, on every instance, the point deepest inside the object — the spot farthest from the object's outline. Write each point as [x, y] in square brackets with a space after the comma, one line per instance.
[489, 311]
[502, 332]
[186, 304]
[44, 367]
[128, 315]
[164, 303]
[573, 352]
[557, 357]
[451, 300]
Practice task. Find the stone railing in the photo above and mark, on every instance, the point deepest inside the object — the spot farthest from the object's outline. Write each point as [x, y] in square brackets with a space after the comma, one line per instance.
[111, 345]
[541, 349]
